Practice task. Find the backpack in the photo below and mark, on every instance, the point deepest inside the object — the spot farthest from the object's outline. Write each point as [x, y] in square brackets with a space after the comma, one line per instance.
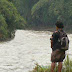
[63, 40]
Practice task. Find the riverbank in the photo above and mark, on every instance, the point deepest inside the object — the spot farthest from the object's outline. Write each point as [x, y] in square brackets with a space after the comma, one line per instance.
[67, 67]
[51, 29]
[9, 38]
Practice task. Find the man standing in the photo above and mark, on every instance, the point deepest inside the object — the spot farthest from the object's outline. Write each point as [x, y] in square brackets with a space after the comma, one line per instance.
[59, 44]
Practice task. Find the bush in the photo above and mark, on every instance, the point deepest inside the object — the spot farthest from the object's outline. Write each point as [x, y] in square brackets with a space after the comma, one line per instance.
[3, 28]
[10, 19]
[67, 67]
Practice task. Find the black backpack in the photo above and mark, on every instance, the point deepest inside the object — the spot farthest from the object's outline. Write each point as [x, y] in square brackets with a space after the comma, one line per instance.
[63, 40]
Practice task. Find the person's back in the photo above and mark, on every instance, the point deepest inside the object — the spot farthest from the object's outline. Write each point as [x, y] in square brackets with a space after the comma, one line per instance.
[58, 54]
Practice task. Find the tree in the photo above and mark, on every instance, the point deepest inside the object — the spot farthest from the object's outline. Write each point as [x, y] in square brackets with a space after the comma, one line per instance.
[24, 8]
[49, 11]
[3, 28]
[10, 18]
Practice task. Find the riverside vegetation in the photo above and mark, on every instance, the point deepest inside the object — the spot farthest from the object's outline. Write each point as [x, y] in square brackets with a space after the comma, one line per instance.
[33, 14]
[42, 14]
[10, 20]
[67, 67]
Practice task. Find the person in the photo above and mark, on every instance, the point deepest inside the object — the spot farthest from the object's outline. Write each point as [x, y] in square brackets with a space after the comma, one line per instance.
[57, 54]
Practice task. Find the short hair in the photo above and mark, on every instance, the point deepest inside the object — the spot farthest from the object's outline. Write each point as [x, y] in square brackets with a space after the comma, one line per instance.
[59, 24]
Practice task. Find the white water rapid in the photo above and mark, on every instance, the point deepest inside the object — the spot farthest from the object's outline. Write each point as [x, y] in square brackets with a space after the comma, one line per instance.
[26, 49]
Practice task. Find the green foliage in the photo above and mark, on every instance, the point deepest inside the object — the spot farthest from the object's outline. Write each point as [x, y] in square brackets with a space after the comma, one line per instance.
[10, 18]
[47, 12]
[24, 8]
[10, 13]
[67, 67]
[39, 68]
[38, 5]
[3, 28]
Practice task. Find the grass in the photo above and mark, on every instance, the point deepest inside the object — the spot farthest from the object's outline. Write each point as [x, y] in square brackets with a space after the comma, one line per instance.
[67, 67]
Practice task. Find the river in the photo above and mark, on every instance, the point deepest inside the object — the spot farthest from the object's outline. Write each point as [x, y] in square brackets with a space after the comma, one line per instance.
[25, 50]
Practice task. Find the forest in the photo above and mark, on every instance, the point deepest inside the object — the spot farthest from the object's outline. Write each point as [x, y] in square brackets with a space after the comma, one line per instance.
[33, 14]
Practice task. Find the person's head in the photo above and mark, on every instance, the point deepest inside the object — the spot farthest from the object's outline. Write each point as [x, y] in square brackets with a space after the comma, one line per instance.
[59, 25]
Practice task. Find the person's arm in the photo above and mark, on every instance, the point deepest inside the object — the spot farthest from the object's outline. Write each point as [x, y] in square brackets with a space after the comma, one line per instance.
[53, 38]
[51, 42]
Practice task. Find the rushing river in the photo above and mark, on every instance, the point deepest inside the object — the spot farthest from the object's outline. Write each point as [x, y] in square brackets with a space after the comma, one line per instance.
[25, 50]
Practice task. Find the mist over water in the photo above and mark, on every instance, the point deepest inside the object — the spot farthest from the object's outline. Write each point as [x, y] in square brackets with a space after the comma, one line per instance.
[25, 50]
